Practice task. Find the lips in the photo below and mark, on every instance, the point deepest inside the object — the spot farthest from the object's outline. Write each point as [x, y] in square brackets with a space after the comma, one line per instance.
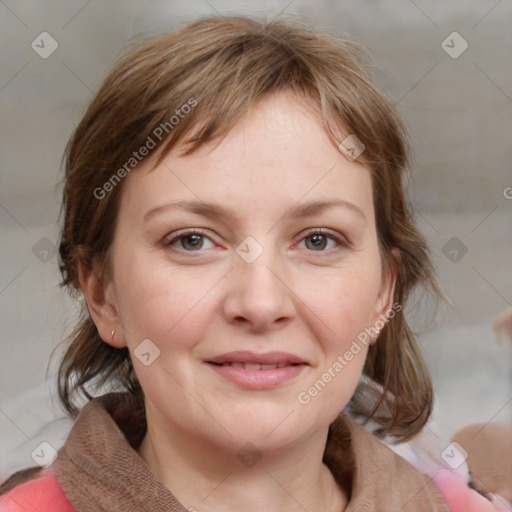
[257, 371]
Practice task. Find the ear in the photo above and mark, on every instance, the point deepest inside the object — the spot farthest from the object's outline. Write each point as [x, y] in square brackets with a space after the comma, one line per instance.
[101, 303]
[384, 301]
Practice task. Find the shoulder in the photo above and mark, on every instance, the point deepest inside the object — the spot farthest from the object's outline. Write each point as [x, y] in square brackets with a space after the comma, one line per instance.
[40, 494]
[382, 479]
[380, 472]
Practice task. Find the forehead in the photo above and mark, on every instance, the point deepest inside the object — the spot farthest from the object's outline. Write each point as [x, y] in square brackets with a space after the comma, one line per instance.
[277, 154]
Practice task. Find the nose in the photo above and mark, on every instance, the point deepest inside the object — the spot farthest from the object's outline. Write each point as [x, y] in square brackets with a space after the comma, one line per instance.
[258, 297]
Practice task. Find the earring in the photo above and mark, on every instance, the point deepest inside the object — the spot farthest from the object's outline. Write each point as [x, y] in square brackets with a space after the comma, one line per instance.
[113, 331]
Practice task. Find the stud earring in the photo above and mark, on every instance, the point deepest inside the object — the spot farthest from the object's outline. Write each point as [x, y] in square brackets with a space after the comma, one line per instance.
[113, 331]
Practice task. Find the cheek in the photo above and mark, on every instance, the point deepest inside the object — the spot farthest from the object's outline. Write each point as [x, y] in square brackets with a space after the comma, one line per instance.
[346, 304]
[160, 303]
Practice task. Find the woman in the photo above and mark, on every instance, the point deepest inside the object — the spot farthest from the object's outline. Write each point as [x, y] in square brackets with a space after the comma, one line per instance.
[235, 219]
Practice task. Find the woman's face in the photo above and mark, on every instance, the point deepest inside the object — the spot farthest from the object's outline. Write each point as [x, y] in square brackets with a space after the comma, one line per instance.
[229, 328]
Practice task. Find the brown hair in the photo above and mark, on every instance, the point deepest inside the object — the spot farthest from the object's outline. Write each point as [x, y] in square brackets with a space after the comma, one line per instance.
[225, 66]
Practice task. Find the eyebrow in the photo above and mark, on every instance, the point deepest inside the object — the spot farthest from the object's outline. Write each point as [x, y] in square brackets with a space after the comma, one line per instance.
[211, 210]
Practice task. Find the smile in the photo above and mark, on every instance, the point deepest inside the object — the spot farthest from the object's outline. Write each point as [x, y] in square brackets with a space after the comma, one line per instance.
[250, 370]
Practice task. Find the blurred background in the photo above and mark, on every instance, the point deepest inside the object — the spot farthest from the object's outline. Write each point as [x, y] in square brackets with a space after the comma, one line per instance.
[446, 66]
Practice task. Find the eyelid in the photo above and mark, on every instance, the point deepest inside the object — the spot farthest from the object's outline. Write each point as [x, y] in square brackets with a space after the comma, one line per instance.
[182, 232]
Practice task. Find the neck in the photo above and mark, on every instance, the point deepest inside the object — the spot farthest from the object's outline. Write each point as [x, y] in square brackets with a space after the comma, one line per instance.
[208, 478]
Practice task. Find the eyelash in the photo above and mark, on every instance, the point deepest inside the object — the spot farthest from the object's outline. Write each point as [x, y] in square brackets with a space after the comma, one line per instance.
[319, 231]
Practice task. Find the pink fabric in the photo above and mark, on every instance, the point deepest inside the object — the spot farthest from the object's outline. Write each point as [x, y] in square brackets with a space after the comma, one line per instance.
[43, 494]
[460, 498]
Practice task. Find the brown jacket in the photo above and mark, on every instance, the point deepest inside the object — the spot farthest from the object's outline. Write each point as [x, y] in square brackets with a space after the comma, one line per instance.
[100, 470]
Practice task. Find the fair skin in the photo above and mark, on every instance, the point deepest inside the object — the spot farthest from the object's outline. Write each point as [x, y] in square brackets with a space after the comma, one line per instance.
[197, 299]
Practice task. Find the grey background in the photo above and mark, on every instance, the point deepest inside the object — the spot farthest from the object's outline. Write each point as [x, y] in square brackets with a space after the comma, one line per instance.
[459, 113]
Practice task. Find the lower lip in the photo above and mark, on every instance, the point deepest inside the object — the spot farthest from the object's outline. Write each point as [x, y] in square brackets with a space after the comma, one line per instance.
[258, 379]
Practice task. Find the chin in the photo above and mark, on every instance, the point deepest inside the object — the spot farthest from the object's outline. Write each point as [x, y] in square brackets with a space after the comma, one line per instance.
[270, 431]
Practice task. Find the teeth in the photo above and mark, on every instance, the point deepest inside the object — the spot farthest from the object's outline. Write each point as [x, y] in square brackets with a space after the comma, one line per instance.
[255, 366]
[252, 366]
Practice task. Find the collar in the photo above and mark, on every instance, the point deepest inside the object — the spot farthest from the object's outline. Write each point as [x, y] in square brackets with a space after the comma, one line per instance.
[99, 468]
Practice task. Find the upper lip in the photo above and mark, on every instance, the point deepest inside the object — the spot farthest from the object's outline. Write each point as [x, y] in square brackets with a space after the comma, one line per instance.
[245, 356]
